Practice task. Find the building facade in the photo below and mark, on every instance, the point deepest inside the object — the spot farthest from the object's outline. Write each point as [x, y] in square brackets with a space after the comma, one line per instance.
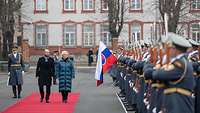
[77, 25]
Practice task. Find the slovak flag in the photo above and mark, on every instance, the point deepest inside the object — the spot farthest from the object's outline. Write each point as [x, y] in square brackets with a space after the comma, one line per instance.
[104, 62]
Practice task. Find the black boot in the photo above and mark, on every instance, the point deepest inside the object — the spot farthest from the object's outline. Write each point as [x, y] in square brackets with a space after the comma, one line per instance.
[19, 87]
[14, 91]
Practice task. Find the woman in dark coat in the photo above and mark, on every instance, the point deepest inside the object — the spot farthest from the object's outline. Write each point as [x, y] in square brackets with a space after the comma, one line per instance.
[65, 73]
[45, 71]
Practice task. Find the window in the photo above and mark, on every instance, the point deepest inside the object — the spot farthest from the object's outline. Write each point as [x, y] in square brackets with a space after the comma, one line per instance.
[196, 31]
[135, 5]
[41, 36]
[135, 32]
[40, 5]
[104, 5]
[195, 5]
[69, 5]
[88, 5]
[88, 35]
[105, 35]
[69, 35]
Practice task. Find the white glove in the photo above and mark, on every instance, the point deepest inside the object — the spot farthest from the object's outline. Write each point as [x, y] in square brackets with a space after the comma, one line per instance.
[22, 72]
[8, 73]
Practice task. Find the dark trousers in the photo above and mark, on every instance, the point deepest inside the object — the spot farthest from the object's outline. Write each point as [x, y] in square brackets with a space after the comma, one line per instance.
[64, 95]
[48, 91]
[17, 88]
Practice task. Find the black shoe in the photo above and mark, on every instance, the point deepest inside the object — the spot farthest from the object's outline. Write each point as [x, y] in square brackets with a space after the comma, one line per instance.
[19, 96]
[121, 95]
[64, 101]
[47, 101]
[41, 100]
[130, 109]
[14, 97]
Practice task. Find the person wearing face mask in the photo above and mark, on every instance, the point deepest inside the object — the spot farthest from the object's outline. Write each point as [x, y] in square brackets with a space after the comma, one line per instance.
[15, 71]
[65, 73]
[45, 71]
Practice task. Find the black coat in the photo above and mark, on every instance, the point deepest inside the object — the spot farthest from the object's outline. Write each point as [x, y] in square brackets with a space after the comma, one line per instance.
[45, 71]
[90, 57]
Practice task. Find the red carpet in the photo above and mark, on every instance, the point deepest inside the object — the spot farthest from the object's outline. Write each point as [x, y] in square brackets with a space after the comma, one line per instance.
[31, 104]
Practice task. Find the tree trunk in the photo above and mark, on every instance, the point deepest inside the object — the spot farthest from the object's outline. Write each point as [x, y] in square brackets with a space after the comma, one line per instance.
[7, 43]
[5, 47]
[114, 43]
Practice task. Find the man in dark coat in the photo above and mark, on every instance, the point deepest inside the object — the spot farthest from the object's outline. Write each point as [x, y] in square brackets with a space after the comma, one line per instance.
[45, 71]
[90, 57]
[15, 71]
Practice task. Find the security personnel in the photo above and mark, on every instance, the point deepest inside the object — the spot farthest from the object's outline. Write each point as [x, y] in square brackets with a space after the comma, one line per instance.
[15, 71]
[193, 55]
[194, 59]
[177, 77]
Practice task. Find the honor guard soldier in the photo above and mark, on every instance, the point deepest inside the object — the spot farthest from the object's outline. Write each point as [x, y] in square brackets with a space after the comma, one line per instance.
[194, 59]
[15, 71]
[176, 76]
[193, 55]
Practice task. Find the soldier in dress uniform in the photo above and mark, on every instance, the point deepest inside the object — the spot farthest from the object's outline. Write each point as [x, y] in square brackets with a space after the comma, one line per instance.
[193, 55]
[176, 76]
[45, 71]
[194, 59]
[15, 71]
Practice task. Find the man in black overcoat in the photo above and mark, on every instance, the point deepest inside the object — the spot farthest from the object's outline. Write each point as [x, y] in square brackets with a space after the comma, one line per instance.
[45, 71]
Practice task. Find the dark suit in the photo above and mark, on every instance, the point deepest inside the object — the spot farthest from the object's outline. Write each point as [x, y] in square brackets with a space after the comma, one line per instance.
[45, 71]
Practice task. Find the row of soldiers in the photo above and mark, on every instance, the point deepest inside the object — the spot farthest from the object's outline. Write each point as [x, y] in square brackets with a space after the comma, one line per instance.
[162, 80]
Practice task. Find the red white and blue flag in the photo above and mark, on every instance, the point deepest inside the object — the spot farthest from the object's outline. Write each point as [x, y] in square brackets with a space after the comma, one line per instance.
[104, 62]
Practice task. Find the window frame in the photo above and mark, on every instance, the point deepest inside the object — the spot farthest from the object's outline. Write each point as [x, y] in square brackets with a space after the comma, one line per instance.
[64, 34]
[40, 11]
[108, 43]
[88, 10]
[102, 7]
[197, 31]
[193, 10]
[69, 10]
[36, 34]
[133, 10]
[83, 35]
[141, 29]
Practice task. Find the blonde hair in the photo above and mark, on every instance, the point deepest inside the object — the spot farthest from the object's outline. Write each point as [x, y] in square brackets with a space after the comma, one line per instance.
[46, 50]
[64, 53]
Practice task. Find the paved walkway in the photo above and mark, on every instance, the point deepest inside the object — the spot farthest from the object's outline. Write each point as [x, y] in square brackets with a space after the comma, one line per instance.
[92, 99]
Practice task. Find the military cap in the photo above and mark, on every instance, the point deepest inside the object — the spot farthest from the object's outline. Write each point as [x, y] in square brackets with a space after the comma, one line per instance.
[193, 43]
[178, 40]
[15, 47]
